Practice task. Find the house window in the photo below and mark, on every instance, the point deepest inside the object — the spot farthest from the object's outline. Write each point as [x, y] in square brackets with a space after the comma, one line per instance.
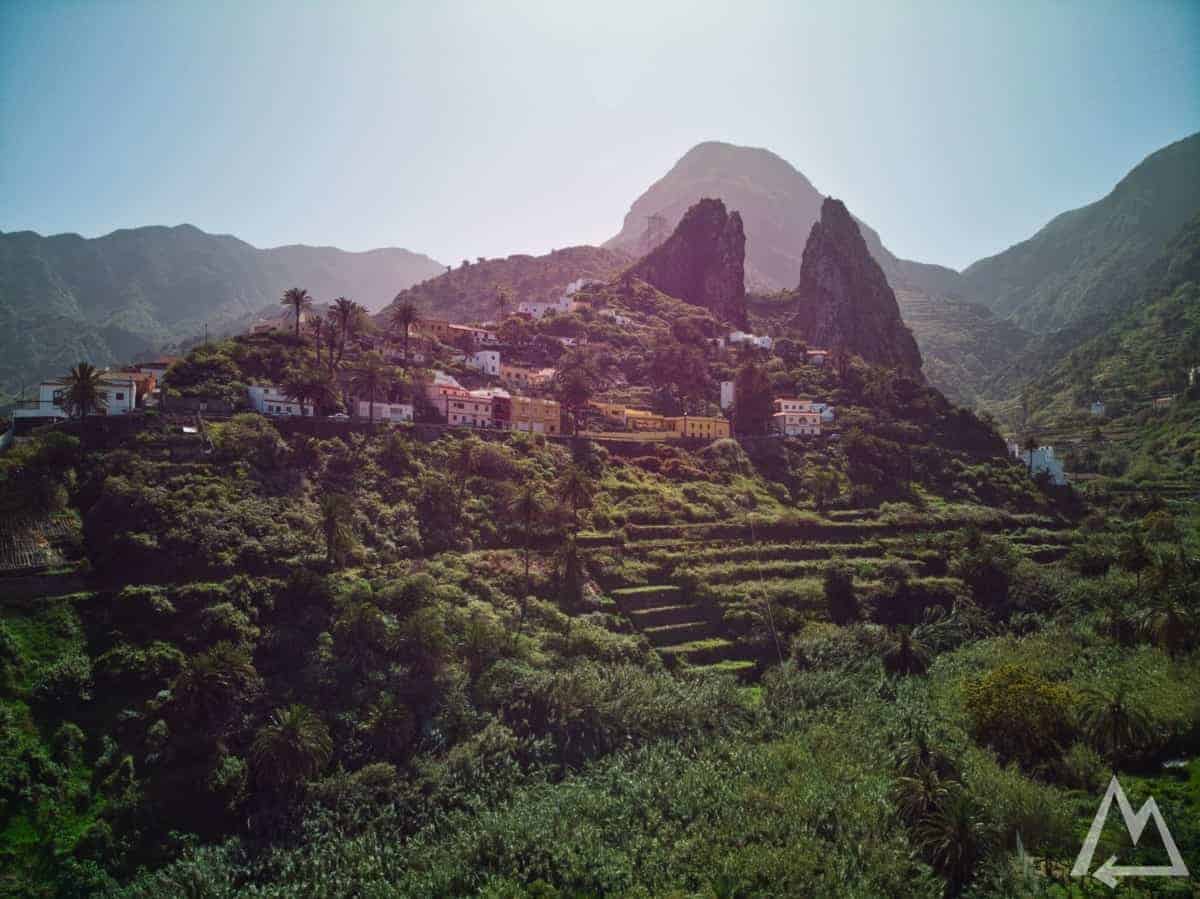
[120, 396]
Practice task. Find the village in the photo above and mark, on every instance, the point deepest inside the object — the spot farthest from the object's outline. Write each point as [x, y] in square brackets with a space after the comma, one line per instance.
[499, 394]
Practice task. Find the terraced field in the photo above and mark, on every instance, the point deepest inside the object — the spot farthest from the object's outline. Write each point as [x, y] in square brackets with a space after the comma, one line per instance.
[712, 595]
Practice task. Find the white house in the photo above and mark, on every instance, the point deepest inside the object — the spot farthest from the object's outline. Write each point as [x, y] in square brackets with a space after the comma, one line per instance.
[1039, 460]
[797, 424]
[269, 399]
[1097, 409]
[762, 341]
[118, 390]
[486, 361]
[385, 411]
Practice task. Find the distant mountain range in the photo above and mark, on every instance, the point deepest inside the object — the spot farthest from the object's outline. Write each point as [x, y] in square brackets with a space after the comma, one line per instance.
[65, 298]
[983, 333]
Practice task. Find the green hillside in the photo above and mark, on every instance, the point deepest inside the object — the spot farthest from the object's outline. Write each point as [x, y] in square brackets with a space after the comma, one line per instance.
[64, 298]
[1088, 261]
[1145, 352]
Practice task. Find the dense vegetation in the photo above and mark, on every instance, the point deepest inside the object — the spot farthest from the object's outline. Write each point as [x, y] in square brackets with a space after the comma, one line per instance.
[370, 664]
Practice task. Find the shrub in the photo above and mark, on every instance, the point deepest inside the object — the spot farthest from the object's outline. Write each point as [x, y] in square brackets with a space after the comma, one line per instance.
[1020, 714]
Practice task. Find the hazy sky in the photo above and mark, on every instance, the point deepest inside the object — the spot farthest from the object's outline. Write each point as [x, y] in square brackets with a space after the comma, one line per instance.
[482, 129]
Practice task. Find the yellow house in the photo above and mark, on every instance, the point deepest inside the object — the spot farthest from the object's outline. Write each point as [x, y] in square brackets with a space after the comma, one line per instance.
[535, 415]
[614, 412]
[702, 426]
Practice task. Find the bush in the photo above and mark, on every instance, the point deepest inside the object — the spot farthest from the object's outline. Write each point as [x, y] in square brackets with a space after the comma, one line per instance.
[1021, 715]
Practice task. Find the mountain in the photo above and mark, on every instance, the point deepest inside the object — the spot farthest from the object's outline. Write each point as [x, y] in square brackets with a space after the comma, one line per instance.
[65, 298]
[778, 206]
[962, 343]
[844, 300]
[702, 262]
[1144, 351]
[468, 293]
[1087, 262]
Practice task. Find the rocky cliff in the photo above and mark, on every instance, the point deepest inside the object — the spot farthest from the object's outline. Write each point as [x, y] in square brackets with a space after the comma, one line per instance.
[702, 262]
[844, 298]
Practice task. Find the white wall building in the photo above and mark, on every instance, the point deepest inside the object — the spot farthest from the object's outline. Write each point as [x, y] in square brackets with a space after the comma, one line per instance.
[1097, 409]
[1043, 459]
[269, 399]
[486, 361]
[119, 393]
[614, 315]
[762, 341]
[385, 411]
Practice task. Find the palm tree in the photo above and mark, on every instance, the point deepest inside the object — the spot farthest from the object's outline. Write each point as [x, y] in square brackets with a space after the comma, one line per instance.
[462, 462]
[317, 327]
[369, 380]
[954, 837]
[83, 393]
[404, 315]
[211, 687]
[1133, 554]
[1168, 620]
[337, 510]
[503, 300]
[577, 488]
[296, 299]
[525, 505]
[1115, 725]
[290, 748]
[906, 655]
[347, 316]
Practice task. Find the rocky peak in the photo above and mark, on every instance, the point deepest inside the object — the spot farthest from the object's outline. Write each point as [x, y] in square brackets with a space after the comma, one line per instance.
[702, 262]
[844, 298]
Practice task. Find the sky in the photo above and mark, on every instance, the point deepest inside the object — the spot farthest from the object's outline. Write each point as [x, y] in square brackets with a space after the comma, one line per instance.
[466, 129]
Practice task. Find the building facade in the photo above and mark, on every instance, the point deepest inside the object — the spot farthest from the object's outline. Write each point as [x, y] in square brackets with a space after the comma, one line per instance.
[270, 399]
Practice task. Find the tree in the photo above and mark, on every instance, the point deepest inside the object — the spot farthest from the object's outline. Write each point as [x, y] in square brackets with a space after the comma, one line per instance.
[577, 489]
[525, 506]
[575, 381]
[823, 485]
[1115, 724]
[212, 687]
[298, 300]
[83, 392]
[839, 594]
[337, 512]
[348, 317]
[403, 316]
[503, 301]
[1133, 554]
[317, 327]
[752, 401]
[905, 654]
[310, 387]
[954, 837]
[369, 380]
[290, 748]
[462, 462]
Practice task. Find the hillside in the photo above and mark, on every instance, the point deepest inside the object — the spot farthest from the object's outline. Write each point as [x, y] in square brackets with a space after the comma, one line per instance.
[1144, 352]
[64, 298]
[468, 292]
[1087, 261]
